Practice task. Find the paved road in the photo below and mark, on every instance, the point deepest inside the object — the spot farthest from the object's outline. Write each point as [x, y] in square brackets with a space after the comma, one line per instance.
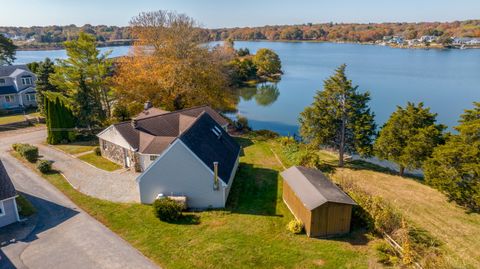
[65, 237]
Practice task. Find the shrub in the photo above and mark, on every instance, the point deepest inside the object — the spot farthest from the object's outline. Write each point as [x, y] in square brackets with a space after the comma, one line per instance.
[267, 134]
[295, 226]
[16, 147]
[167, 210]
[44, 166]
[310, 158]
[241, 123]
[27, 151]
[386, 253]
[97, 151]
[25, 208]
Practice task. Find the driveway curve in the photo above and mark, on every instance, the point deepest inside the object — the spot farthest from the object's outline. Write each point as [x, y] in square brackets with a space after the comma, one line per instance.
[117, 186]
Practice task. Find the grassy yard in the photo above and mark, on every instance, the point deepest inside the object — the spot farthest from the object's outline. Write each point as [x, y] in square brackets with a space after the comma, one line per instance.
[77, 147]
[427, 208]
[250, 233]
[15, 118]
[99, 162]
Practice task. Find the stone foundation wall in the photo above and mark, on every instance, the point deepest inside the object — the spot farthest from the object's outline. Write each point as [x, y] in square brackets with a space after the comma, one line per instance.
[112, 152]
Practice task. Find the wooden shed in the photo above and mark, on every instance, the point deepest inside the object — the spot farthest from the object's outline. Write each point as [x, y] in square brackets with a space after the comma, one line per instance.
[321, 205]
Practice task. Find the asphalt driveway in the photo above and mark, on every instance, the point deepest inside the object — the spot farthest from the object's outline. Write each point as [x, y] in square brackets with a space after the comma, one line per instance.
[65, 236]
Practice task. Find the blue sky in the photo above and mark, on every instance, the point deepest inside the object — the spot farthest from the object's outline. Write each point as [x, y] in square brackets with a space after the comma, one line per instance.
[225, 13]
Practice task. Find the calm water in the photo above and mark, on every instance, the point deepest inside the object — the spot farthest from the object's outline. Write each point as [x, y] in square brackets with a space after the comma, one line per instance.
[448, 81]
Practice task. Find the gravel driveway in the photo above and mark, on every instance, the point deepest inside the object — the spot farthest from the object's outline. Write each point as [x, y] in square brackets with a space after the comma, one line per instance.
[117, 186]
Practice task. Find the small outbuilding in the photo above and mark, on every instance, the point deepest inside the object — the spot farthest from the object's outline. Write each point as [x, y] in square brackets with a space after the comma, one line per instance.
[321, 205]
[8, 204]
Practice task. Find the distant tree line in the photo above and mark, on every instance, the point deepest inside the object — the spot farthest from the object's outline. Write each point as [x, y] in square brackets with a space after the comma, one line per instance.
[349, 32]
[56, 35]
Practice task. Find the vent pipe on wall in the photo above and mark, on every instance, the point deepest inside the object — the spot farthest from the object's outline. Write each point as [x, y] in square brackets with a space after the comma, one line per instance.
[216, 184]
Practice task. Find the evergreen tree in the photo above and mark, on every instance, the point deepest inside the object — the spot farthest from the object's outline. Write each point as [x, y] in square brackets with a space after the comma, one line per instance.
[7, 51]
[454, 168]
[44, 71]
[60, 120]
[84, 78]
[339, 117]
[409, 136]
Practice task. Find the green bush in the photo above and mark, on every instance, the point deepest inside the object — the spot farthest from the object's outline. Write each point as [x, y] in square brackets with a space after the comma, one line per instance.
[97, 151]
[27, 151]
[16, 147]
[25, 208]
[386, 254]
[310, 158]
[266, 134]
[295, 226]
[44, 166]
[167, 209]
[241, 123]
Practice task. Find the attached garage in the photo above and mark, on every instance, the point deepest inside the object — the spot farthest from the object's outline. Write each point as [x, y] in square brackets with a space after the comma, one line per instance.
[321, 205]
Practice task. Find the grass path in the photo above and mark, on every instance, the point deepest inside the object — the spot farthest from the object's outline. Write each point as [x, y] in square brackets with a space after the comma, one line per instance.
[250, 233]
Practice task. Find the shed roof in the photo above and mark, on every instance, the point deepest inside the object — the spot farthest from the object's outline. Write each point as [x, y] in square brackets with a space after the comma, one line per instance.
[7, 190]
[7, 90]
[313, 188]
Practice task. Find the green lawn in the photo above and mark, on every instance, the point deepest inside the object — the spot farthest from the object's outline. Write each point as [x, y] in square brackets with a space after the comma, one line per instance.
[250, 233]
[422, 205]
[15, 118]
[99, 162]
[77, 147]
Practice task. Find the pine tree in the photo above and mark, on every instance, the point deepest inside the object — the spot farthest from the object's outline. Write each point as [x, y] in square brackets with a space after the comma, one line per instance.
[454, 168]
[339, 117]
[44, 71]
[84, 78]
[409, 137]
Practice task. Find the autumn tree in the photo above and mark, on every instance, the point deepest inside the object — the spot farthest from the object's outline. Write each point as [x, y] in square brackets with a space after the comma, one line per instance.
[339, 117]
[170, 66]
[84, 78]
[454, 168]
[7, 51]
[268, 63]
[409, 137]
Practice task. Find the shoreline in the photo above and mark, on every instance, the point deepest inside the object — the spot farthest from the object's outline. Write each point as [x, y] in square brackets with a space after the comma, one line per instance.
[130, 43]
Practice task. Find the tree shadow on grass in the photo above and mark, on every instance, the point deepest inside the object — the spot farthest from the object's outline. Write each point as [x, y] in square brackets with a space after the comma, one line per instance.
[187, 219]
[254, 191]
[363, 165]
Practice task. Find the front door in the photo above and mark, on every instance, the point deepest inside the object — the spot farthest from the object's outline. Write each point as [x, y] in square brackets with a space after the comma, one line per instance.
[127, 158]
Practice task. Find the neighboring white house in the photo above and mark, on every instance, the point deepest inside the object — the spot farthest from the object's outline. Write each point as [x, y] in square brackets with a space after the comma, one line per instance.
[183, 153]
[17, 87]
[8, 204]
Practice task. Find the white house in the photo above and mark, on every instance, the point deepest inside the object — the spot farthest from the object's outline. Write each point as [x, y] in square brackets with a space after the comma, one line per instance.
[17, 87]
[183, 153]
[8, 205]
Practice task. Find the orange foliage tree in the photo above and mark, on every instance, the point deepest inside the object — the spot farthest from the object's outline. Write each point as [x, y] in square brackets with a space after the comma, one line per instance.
[169, 66]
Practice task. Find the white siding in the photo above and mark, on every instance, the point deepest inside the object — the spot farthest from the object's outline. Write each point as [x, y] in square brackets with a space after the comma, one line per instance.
[179, 172]
[10, 212]
[113, 136]
[145, 161]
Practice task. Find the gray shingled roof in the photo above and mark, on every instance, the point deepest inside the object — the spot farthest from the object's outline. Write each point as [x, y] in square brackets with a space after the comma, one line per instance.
[211, 148]
[153, 134]
[313, 188]
[7, 190]
[7, 70]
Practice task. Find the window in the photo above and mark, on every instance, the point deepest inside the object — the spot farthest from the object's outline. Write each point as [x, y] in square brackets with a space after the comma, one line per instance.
[26, 80]
[9, 98]
[31, 97]
[153, 157]
[2, 81]
[104, 145]
[2, 209]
